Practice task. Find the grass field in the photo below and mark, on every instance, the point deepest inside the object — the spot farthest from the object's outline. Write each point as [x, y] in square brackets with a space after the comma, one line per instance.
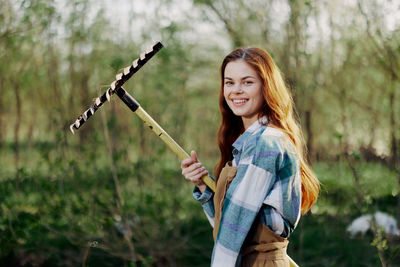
[62, 209]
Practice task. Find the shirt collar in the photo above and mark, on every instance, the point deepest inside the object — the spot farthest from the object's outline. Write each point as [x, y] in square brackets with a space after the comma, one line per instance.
[255, 127]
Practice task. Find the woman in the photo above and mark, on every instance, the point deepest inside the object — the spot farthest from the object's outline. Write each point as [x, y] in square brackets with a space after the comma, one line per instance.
[263, 179]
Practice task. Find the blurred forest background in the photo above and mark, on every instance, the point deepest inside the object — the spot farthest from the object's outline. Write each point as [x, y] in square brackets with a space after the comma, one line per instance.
[113, 194]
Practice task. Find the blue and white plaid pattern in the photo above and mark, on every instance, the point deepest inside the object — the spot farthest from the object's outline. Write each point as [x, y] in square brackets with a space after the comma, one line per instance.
[267, 182]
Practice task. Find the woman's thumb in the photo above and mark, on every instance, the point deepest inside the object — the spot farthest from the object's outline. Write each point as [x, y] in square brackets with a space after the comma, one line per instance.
[194, 156]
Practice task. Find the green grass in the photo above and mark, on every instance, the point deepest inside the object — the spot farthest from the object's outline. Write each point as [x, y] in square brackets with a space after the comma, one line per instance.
[376, 179]
[60, 201]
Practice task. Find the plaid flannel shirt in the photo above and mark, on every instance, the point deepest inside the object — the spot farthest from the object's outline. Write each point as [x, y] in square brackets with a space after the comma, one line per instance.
[267, 183]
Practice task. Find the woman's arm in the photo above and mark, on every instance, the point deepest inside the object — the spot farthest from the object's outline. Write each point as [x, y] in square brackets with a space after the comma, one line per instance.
[281, 207]
[206, 198]
[193, 170]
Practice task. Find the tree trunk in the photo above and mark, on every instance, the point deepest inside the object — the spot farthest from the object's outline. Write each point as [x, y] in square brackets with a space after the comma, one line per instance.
[393, 147]
[2, 130]
[71, 71]
[294, 39]
[16, 88]
[395, 157]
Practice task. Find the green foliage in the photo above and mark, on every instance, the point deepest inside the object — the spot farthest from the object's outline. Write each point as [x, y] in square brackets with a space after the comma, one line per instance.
[54, 215]
[321, 238]
[68, 206]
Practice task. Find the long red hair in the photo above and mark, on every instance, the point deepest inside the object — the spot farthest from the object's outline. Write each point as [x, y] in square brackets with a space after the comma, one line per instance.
[278, 108]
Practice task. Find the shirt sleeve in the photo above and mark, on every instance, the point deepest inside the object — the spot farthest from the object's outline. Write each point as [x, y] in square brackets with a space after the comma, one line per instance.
[207, 201]
[281, 207]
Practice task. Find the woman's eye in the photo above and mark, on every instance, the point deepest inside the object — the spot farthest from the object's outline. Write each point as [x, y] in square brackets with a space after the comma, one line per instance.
[228, 83]
[248, 82]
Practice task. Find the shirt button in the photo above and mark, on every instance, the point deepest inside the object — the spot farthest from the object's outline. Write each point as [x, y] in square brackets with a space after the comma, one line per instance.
[235, 152]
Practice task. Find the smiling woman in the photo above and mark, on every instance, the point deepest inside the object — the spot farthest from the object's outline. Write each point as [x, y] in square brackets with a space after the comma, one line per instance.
[263, 179]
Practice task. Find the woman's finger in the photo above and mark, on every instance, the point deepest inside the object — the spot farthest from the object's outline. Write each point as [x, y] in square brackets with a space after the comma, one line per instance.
[186, 162]
[191, 168]
[192, 173]
[194, 157]
[196, 179]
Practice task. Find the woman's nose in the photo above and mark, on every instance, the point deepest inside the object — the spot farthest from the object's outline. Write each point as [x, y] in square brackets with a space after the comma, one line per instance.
[237, 88]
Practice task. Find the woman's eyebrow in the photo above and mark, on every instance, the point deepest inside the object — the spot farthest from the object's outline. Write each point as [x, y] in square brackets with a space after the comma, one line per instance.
[243, 78]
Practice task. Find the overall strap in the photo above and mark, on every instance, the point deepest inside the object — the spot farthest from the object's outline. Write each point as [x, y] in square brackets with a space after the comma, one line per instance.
[224, 180]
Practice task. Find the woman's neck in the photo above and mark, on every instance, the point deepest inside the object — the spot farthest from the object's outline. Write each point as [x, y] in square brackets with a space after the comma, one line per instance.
[247, 122]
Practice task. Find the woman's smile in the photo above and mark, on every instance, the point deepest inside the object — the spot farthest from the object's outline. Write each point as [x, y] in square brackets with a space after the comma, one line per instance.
[239, 102]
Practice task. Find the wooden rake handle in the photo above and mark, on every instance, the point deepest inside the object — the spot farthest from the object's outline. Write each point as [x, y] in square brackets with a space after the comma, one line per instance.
[160, 132]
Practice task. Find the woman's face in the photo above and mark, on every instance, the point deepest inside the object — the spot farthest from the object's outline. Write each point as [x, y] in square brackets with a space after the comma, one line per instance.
[242, 91]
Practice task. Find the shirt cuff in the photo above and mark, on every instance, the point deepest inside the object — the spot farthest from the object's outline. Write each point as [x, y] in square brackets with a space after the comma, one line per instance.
[203, 197]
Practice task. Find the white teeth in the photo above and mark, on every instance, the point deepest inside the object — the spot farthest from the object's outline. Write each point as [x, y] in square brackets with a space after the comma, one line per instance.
[239, 101]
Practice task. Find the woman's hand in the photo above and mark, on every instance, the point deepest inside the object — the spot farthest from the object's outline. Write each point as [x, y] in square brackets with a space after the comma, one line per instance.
[193, 170]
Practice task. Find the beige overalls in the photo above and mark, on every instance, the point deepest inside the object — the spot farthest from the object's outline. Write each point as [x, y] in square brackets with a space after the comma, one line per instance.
[262, 246]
